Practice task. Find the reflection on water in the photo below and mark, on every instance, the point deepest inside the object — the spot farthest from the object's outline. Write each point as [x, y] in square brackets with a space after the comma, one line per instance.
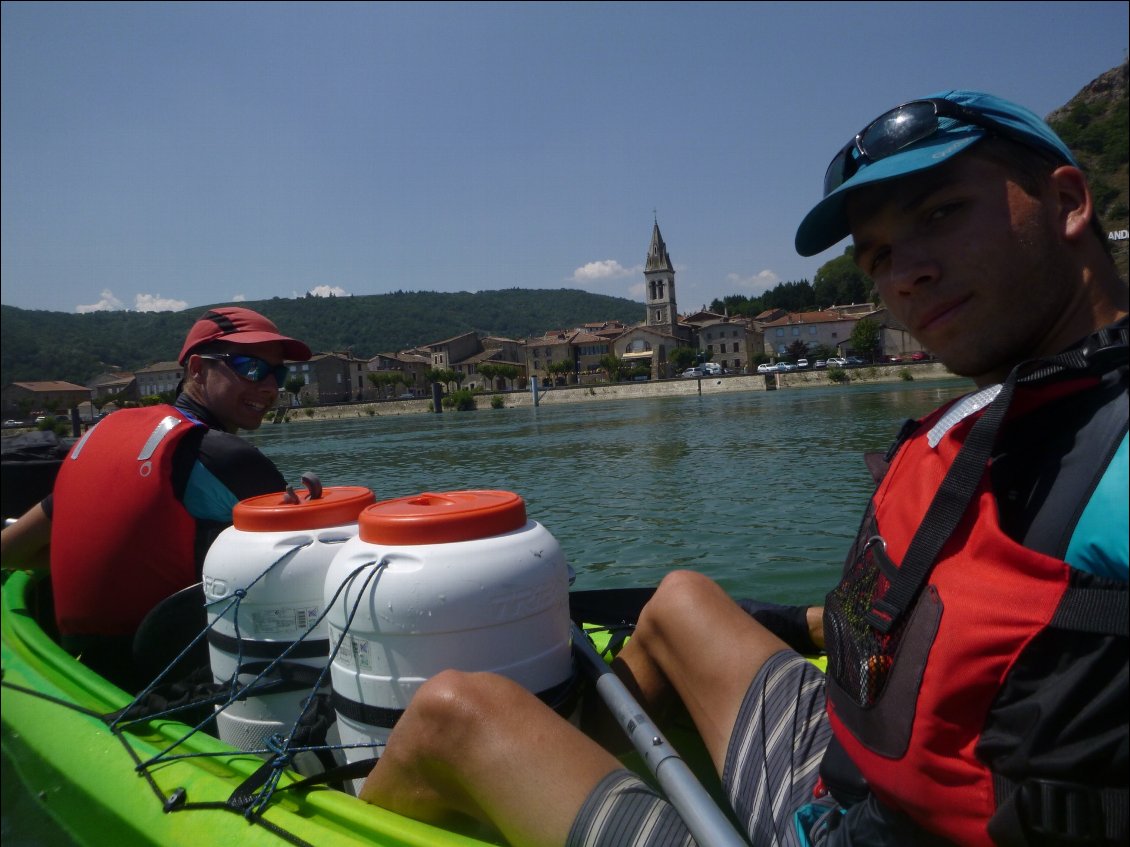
[760, 490]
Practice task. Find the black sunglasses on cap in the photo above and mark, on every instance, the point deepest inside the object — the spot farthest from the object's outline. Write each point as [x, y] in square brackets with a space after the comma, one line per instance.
[901, 127]
[250, 367]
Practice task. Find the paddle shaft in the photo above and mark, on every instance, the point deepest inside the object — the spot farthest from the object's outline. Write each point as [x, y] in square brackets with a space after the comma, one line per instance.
[706, 822]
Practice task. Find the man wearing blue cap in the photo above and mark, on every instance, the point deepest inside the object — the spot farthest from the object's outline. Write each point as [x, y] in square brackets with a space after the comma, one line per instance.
[976, 691]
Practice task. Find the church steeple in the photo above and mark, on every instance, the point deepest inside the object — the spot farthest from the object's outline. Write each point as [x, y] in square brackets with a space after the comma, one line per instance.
[659, 275]
[657, 258]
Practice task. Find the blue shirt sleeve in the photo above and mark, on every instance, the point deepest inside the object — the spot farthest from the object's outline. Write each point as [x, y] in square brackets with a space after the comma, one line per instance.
[206, 498]
[227, 469]
[1101, 541]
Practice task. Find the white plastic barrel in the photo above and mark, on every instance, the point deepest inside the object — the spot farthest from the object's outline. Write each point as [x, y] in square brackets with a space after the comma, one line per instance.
[277, 551]
[457, 580]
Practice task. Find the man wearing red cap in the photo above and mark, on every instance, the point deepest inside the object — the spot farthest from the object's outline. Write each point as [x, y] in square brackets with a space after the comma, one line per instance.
[141, 497]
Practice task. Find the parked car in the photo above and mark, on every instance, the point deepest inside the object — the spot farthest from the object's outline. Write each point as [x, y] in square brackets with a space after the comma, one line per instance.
[785, 367]
[691, 373]
[837, 362]
[920, 356]
[766, 368]
[712, 369]
[855, 361]
[9, 424]
[801, 364]
[820, 363]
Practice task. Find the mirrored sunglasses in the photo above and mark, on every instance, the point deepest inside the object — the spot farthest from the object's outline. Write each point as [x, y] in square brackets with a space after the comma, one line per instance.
[250, 367]
[900, 128]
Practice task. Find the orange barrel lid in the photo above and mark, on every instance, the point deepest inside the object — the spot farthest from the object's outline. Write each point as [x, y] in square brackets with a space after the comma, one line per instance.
[442, 518]
[277, 513]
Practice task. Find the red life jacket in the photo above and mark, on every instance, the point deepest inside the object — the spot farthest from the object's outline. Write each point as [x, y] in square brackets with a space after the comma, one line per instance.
[121, 541]
[936, 606]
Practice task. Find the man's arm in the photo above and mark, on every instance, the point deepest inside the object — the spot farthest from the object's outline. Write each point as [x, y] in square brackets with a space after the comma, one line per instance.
[26, 544]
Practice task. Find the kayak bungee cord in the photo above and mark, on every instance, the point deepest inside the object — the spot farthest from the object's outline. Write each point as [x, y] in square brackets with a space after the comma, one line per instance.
[235, 690]
[252, 797]
[254, 793]
[269, 775]
[177, 801]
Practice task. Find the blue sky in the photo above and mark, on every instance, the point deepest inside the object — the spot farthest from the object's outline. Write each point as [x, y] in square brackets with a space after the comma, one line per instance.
[169, 156]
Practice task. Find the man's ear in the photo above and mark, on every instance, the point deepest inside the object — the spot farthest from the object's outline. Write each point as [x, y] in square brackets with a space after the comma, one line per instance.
[194, 368]
[1075, 207]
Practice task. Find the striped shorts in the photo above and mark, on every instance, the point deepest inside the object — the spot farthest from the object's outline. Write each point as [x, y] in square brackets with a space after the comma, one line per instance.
[772, 764]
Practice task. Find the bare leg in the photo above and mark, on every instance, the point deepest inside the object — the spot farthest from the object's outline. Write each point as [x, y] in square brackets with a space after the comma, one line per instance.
[695, 643]
[482, 746]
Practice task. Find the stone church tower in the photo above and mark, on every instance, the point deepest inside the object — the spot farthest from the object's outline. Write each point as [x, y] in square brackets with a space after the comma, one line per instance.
[659, 275]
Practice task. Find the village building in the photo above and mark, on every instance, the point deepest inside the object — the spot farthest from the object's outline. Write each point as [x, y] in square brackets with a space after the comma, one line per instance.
[830, 328]
[332, 378]
[160, 378]
[24, 400]
[118, 386]
[410, 368]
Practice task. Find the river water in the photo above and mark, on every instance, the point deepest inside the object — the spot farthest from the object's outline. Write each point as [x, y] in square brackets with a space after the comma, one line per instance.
[761, 490]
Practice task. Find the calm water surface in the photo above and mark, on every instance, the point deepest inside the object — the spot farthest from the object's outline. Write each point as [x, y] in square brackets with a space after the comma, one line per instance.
[760, 490]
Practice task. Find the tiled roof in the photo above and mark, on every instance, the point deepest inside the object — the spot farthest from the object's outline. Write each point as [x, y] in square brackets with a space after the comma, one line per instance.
[51, 385]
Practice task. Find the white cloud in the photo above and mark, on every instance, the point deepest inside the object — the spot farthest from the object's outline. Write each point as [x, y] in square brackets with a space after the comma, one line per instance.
[141, 303]
[329, 291]
[157, 303]
[108, 303]
[239, 298]
[595, 272]
[759, 283]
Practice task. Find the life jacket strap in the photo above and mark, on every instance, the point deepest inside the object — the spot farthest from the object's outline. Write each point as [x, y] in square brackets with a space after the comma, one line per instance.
[1055, 812]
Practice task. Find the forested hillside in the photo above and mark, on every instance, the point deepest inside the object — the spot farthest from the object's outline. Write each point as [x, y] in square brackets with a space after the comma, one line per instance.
[39, 345]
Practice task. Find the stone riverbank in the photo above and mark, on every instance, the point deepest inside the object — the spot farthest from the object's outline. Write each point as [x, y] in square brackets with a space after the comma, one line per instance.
[630, 390]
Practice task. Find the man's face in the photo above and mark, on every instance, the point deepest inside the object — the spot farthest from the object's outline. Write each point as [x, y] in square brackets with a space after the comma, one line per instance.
[967, 261]
[237, 402]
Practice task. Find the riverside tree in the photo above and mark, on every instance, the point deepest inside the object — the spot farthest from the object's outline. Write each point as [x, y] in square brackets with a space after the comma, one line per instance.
[865, 338]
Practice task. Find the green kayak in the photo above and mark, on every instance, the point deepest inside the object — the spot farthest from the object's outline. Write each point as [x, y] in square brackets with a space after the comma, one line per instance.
[101, 787]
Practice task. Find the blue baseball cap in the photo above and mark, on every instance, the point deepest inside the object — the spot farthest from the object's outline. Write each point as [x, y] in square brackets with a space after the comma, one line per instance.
[913, 137]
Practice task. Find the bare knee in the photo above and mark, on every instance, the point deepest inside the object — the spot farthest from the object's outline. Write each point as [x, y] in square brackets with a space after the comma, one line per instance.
[448, 708]
[679, 601]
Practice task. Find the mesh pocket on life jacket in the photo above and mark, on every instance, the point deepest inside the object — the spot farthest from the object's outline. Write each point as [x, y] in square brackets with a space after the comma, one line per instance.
[860, 658]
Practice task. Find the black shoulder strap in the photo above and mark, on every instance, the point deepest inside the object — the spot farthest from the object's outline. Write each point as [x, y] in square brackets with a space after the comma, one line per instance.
[1104, 422]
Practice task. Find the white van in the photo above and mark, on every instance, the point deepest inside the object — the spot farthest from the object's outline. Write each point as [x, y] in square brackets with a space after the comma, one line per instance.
[711, 368]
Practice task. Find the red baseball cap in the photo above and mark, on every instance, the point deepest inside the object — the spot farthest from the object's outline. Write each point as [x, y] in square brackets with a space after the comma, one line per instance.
[236, 325]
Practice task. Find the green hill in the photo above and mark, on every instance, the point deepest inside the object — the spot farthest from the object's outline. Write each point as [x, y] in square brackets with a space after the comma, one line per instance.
[1094, 124]
[41, 345]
